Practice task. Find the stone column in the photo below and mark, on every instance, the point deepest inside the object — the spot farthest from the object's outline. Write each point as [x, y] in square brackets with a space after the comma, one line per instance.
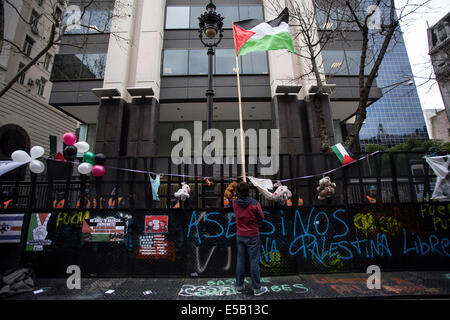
[110, 128]
[142, 127]
[288, 115]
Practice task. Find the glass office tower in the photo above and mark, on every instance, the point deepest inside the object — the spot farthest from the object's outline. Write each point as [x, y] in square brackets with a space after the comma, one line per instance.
[398, 115]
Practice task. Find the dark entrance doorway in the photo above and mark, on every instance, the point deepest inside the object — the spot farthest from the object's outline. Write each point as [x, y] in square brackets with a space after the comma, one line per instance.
[12, 138]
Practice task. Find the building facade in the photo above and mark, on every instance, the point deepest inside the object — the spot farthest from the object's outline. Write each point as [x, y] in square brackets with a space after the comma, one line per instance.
[26, 118]
[439, 46]
[155, 47]
[438, 124]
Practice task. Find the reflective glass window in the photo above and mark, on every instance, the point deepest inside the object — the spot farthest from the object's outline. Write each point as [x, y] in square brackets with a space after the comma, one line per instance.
[93, 66]
[67, 67]
[198, 62]
[100, 21]
[91, 21]
[334, 62]
[254, 63]
[195, 13]
[175, 62]
[79, 66]
[230, 13]
[250, 12]
[225, 61]
[177, 18]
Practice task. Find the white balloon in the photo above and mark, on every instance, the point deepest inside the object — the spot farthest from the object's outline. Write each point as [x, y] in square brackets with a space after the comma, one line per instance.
[20, 156]
[37, 152]
[82, 146]
[37, 166]
[85, 168]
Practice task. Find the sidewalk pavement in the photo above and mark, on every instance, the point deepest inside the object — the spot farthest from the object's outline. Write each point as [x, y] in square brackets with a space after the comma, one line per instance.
[401, 284]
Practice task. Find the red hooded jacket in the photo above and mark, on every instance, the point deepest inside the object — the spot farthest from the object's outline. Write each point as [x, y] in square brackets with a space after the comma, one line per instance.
[248, 213]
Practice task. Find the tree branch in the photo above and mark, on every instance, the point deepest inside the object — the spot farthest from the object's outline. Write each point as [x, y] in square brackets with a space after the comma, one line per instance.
[50, 43]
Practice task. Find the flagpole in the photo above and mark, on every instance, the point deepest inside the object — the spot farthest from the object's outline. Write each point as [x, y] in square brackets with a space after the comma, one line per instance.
[240, 120]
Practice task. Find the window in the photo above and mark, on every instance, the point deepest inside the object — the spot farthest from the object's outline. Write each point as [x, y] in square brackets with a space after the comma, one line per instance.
[93, 66]
[198, 62]
[100, 21]
[34, 21]
[229, 13]
[177, 18]
[254, 63]
[251, 12]
[175, 62]
[195, 62]
[225, 61]
[41, 87]
[47, 61]
[354, 60]
[88, 66]
[184, 17]
[442, 34]
[194, 14]
[336, 16]
[21, 79]
[345, 62]
[334, 62]
[92, 21]
[28, 45]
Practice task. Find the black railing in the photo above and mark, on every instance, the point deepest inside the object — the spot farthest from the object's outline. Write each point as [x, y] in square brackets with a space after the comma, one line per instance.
[398, 178]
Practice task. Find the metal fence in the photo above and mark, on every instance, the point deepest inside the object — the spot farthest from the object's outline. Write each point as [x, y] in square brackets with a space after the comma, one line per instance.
[398, 178]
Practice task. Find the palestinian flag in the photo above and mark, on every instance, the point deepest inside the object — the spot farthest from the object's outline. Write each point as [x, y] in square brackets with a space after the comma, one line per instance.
[256, 35]
[344, 155]
[56, 145]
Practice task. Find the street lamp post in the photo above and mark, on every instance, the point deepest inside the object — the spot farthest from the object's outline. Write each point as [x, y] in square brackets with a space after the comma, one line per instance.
[210, 23]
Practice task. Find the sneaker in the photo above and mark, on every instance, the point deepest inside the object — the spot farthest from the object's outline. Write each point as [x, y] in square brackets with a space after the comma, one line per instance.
[260, 291]
[240, 289]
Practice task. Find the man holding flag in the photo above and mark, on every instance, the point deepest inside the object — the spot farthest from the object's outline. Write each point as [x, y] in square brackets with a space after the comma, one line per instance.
[249, 36]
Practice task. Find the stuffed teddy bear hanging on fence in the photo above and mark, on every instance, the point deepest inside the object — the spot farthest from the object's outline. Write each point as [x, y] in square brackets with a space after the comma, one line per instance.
[281, 194]
[183, 193]
[326, 188]
[230, 191]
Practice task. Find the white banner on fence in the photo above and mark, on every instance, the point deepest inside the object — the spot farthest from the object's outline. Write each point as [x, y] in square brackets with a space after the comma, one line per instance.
[440, 166]
[9, 165]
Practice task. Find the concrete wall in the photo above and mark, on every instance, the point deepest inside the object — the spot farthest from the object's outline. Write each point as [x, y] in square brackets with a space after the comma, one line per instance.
[37, 118]
[440, 126]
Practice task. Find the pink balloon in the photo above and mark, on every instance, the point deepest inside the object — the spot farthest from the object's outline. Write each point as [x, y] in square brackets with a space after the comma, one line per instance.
[70, 138]
[98, 170]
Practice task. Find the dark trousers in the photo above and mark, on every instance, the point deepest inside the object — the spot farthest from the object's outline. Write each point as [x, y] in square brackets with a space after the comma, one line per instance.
[248, 247]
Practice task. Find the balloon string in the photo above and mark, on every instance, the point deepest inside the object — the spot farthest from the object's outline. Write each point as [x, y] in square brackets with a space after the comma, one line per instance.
[209, 177]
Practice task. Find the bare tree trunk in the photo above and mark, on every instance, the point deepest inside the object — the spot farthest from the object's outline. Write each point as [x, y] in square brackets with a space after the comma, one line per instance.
[323, 129]
[317, 101]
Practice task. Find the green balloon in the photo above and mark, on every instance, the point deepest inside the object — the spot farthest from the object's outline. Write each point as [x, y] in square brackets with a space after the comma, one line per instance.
[89, 157]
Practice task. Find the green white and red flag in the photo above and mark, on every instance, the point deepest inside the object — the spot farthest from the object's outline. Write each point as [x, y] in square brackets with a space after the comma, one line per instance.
[343, 153]
[257, 35]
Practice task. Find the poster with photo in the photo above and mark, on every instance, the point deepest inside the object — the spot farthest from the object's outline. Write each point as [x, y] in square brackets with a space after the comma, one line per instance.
[110, 229]
[37, 232]
[156, 224]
